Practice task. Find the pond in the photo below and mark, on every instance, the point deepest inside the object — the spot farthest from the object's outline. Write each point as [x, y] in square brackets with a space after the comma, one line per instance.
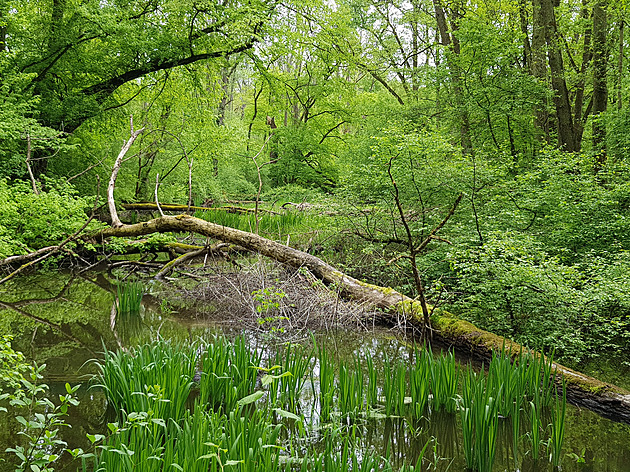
[65, 322]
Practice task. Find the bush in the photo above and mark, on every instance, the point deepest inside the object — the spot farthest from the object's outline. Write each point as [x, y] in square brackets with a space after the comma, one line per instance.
[510, 286]
[32, 221]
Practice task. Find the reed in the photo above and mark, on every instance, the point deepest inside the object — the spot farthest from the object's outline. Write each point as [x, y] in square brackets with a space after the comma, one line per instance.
[539, 378]
[223, 218]
[535, 428]
[129, 297]
[252, 441]
[444, 382]
[372, 377]
[479, 417]
[556, 440]
[215, 384]
[204, 440]
[326, 383]
[228, 373]
[233, 424]
[394, 387]
[505, 381]
[154, 378]
[350, 388]
[420, 382]
[294, 363]
[515, 416]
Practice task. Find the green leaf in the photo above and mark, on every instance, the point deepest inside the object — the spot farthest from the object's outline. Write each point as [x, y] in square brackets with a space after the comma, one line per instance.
[250, 398]
[94, 438]
[286, 414]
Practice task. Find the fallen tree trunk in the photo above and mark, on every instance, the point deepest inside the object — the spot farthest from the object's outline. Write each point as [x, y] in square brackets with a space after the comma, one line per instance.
[178, 207]
[604, 398]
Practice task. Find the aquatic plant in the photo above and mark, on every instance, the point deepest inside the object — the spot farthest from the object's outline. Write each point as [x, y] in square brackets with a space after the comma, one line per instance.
[515, 417]
[444, 381]
[420, 381]
[155, 378]
[535, 428]
[129, 297]
[556, 440]
[394, 387]
[252, 441]
[350, 388]
[507, 381]
[479, 417]
[294, 363]
[326, 383]
[372, 377]
[245, 403]
[228, 372]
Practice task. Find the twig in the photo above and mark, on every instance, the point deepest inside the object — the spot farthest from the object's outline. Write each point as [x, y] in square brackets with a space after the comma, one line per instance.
[186, 257]
[52, 251]
[86, 170]
[413, 252]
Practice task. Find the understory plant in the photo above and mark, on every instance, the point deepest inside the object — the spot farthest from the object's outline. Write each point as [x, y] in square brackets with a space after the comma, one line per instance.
[41, 418]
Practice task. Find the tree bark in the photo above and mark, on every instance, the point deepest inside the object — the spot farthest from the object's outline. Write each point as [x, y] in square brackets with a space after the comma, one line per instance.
[112, 180]
[566, 137]
[527, 49]
[3, 28]
[606, 399]
[539, 65]
[600, 88]
[579, 114]
[451, 42]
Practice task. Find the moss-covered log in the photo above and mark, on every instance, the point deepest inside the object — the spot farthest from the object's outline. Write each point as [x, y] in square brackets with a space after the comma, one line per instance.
[606, 399]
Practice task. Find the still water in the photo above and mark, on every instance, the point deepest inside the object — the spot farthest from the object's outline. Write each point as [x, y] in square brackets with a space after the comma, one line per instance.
[66, 322]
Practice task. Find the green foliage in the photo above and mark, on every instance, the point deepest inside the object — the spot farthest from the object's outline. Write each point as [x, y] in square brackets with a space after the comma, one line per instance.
[13, 369]
[512, 287]
[18, 121]
[156, 380]
[267, 299]
[42, 425]
[32, 221]
[42, 419]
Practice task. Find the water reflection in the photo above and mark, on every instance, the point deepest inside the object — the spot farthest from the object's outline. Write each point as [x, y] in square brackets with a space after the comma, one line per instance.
[66, 321]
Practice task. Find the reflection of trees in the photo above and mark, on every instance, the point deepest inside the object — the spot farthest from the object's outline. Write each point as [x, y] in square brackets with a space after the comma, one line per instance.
[130, 328]
[62, 329]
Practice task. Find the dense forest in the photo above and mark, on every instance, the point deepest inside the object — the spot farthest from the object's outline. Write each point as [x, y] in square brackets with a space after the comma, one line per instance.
[373, 116]
[454, 171]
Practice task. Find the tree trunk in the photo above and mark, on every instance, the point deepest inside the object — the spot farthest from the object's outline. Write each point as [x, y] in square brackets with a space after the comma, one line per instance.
[527, 49]
[566, 137]
[604, 398]
[579, 114]
[112, 180]
[600, 88]
[620, 64]
[3, 28]
[450, 41]
[226, 94]
[539, 66]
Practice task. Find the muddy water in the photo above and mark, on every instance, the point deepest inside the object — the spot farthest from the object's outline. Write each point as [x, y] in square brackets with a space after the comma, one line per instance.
[65, 323]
